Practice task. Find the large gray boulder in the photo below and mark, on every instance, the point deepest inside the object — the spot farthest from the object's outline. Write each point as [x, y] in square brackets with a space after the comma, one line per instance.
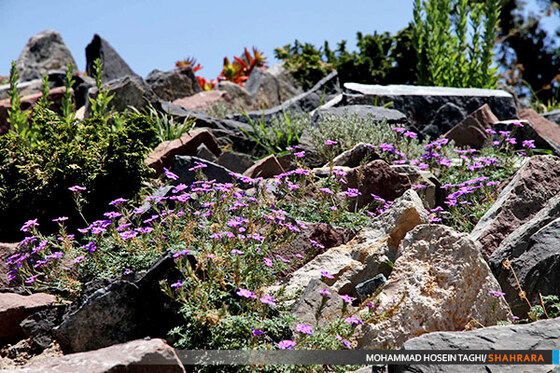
[267, 90]
[439, 282]
[420, 104]
[540, 335]
[43, 52]
[376, 113]
[322, 92]
[129, 91]
[174, 84]
[533, 251]
[114, 67]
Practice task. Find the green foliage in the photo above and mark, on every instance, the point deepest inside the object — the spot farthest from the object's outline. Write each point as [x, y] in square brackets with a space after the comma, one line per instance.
[165, 126]
[441, 53]
[67, 103]
[17, 119]
[551, 309]
[45, 90]
[282, 132]
[100, 104]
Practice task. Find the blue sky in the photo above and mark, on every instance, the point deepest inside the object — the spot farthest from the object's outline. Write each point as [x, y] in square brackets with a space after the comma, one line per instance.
[149, 34]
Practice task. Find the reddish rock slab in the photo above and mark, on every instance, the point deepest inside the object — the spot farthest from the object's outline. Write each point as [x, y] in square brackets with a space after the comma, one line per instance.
[163, 155]
[14, 308]
[471, 131]
[547, 130]
[266, 168]
[6, 250]
[139, 356]
[203, 100]
[377, 177]
[28, 102]
[534, 184]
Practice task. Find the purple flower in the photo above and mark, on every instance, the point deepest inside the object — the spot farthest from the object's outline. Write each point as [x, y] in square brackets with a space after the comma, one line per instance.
[418, 186]
[398, 129]
[354, 321]
[422, 166]
[517, 124]
[490, 130]
[238, 252]
[28, 224]
[282, 258]
[177, 284]
[246, 293]
[345, 342]
[267, 262]
[78, 259]
[127, 271]
[386, 147]
[495, 143]
[411, 134]
[352, 192]
[181, 253]
[268, 299]
[257, 332]
[504, 133]
[198, 165]
[445, 162]
[512, 140]
[112, 215]
[61, 219]
[170, 175]
[117, 201]
[331, 142]
[346, 298]
[287, 344]
[326, 275]
[300, 154]
[529, 144]
[77, 189]
[128, 235]
[316, 244]
[304, 328]
[326, 190]
[55, 255]
[31, 279]
[496, 294]
[325, 293]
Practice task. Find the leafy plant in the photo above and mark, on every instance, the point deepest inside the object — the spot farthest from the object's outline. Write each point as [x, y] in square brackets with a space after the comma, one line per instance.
[17, 119]
[67, 103]
[239, 71]
[441, 53]
[165, 126]
[100, 103]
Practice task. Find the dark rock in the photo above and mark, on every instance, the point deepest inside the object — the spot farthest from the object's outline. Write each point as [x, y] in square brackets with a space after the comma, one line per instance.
[114, 67]
[130, 91]
[420, 104]
[39, 326]
[444, 119]
[43, 52]
[534, 184]
[540, 335]
[533, 250]
[14, 308]
[6, 250]
[431, 193]
[212, 171]
[266, 168]
[547, 131]
[164, 154]
[139, 356]
[471, 132]
[369, 287]
[376, 113]
[377, 178]
[323, 91]
[553, 116]
[122, 311]
[355, 156]
[203, 152]
[237, 162]
[174, 84]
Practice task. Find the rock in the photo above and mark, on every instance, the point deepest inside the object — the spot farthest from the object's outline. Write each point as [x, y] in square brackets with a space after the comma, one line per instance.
[6, 250]
[203, 100]
[114, 67]
[357, 155]
[121, 311]
[532, 186]
[540, 335]
[313, 309]
[266, 168]
[164, 154]
[325, 171]
[212, 171]
[266, 90]
[533, 250]
[440, 282]
[471, 132]
[130, 91]
[375, 113]
[238, 95]
[14, 308]
[420, 104]
[203, 152]
[133, 357]
[24, 88]
[365, 256]
[377, 178]
[431, 193]
[553, 116]
[174, 84]
[237, 162]
[548, 131]
[315, 240]
[56, 96]
[43, 52]
[445, 118]
[285, 79]
[369, 287]
[323, 91]
[39, 325]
